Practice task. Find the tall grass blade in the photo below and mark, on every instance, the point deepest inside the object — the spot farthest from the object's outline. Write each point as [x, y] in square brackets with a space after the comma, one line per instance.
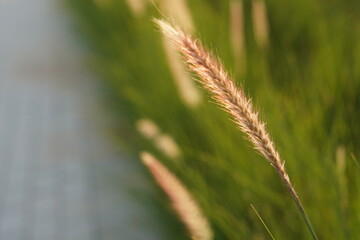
[262, 221]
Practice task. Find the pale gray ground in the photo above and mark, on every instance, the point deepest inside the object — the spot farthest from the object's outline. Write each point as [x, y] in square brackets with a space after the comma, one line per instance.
[60, 178]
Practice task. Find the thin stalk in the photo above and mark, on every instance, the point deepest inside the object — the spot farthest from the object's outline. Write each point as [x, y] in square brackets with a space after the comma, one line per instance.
[262, 221]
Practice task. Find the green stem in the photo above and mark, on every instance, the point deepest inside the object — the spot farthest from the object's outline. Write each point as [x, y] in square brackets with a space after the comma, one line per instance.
[302, 211]
[307, 221]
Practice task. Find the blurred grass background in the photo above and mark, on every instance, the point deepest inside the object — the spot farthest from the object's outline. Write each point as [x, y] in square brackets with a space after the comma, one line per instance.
[305, 80]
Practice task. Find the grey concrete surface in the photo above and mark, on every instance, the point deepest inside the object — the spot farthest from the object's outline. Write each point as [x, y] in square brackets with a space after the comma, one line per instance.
[60, 177]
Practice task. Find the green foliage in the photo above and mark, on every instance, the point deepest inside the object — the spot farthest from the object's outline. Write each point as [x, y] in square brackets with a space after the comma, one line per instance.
[306, 84]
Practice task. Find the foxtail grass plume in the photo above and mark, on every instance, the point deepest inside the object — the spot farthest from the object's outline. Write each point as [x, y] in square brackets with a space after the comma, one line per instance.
[237, 32]
[213, 77]
[182, 202]
[163, 142]
[260, 22]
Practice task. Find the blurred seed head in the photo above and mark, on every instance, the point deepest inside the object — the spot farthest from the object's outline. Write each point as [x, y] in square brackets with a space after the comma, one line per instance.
[342, 177]
[340, 158]
[182, 201]
[147, 128]
[260, 21]
[187, 90]
[180, 13]
[137, 7]
[237, 31]
[166, 144]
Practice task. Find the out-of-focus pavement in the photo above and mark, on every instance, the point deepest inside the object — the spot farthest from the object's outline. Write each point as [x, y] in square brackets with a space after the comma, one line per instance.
[60, 178]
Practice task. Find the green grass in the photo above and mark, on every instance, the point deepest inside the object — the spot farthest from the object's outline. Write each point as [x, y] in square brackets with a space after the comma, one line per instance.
[306, 85]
